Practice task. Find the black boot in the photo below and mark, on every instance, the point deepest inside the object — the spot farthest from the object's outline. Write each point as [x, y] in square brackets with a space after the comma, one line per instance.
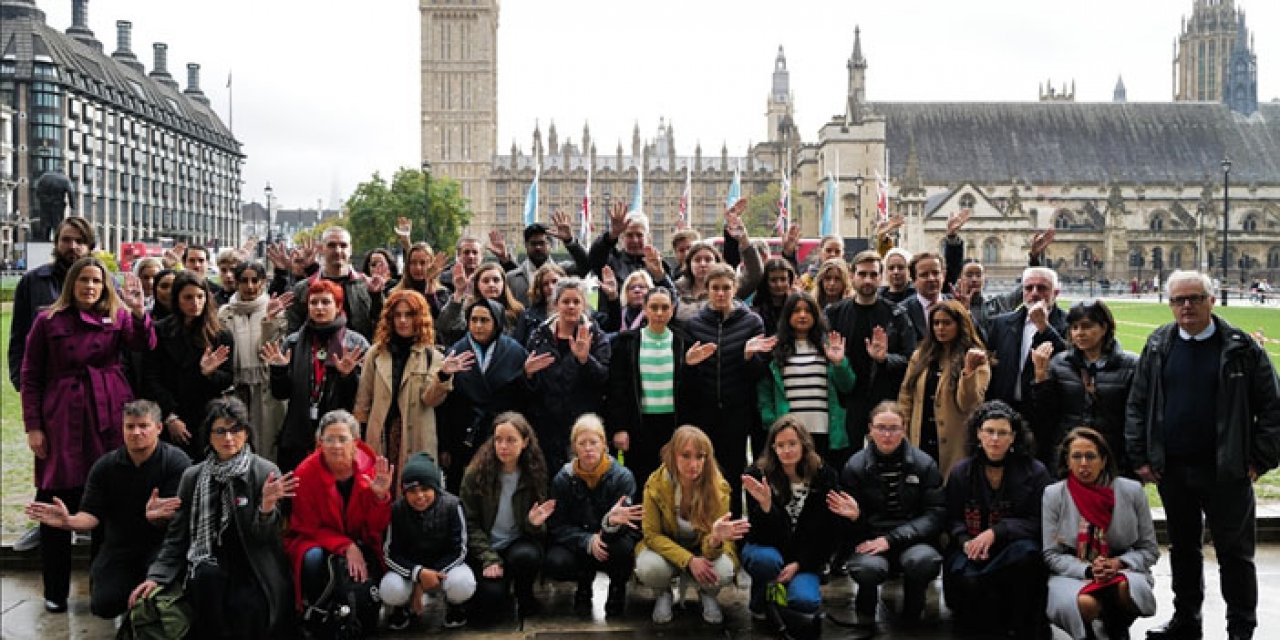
[1179, 627]
[1116, 623]
[582, 597]
[617, 600]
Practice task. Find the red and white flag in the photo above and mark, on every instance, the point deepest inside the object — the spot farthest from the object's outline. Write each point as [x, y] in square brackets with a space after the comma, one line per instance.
[882, 197]
[585, 232]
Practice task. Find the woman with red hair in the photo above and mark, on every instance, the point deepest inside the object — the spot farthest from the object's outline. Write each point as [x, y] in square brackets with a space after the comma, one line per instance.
[316, 370]
[404, 379]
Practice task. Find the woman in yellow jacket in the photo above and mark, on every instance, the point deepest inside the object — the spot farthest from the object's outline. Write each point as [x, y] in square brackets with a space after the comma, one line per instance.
[403, 358]
[687, 526]
[946, 380]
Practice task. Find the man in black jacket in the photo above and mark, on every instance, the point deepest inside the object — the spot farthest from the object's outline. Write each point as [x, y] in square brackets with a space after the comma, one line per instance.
[1012, 336]
[537, 248]
[362, 299]
[898, 512]
[878, 342]
[1203, 422]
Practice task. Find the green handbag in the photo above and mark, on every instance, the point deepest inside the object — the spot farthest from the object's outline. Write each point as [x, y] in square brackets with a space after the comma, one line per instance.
[163, 615]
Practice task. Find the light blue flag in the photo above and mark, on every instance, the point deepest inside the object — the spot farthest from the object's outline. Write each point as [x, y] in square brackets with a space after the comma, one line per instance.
[828, 208]
[735, 190]
[531, 200]
[637, 196]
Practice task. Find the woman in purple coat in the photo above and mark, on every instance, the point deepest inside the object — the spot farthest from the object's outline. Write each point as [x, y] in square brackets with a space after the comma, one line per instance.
[73, 391]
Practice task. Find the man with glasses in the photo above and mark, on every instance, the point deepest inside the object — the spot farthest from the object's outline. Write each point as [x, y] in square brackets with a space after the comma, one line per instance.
[1012, 336]
[1202, 423]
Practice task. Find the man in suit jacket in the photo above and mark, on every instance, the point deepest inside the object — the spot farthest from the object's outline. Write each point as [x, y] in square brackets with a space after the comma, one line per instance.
[927, 269]
[1012, 336]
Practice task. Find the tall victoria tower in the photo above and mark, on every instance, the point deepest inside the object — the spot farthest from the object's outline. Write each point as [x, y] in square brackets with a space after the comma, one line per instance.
[460, 94]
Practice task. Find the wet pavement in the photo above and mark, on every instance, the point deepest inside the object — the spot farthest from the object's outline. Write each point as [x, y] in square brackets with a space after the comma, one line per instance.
[22, 614]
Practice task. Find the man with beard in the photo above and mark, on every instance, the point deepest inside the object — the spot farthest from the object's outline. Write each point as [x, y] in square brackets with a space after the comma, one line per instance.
[132, 494]
[362, 296]
[537, 248]
[38, 288]
[878, 342]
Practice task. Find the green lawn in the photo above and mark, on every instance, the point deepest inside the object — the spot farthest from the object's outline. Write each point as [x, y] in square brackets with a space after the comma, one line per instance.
[1134, 320]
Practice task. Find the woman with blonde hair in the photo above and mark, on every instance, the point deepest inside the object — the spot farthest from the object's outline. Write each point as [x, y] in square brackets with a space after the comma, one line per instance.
[539, 295]
[687, 526]
[595, 527]
[832, 283]
[404, 378]
[950, 365]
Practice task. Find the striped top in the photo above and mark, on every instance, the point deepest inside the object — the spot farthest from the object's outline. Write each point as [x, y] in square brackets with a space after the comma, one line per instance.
[657, 373]
[804, 378]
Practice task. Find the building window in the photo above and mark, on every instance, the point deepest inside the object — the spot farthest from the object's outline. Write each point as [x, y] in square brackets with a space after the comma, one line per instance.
[1062, 220]
[966, 201]
[1157, 222]
[1250, 223]
[991, 251]
[1175, 258]
[1273, 258]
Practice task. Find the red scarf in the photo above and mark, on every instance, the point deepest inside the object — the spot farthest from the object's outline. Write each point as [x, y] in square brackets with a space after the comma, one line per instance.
[1095, 502]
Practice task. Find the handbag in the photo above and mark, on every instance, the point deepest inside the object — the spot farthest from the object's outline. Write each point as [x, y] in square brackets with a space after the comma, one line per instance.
[165, 614]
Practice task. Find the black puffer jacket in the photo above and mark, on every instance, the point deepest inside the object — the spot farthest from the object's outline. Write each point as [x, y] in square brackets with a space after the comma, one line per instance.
[922, 499]
[812, 541]
[1247, 406]
[724, 384]
[434, 539]
[580, 510]
[1061, 402]
[876, 381]
[566, 389]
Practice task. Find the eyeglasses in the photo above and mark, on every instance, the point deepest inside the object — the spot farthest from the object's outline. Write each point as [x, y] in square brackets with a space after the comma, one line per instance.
[886, 429]
[998, 434]
[1194, 300]
[336, 439]
[233, 430]
[1088, 456]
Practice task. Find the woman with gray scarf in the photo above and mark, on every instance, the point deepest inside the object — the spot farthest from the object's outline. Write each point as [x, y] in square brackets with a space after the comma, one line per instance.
[224, 543]
[254, 319]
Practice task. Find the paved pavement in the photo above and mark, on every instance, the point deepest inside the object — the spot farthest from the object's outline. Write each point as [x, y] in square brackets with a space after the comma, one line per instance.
[22, 613]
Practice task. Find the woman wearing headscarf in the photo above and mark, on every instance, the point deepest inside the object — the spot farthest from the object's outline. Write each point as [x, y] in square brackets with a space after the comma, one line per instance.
[1098, 540]
[489, 282]
[224, 540]
[254, 319]
[317, 370]
[73, 391]
[494, 384]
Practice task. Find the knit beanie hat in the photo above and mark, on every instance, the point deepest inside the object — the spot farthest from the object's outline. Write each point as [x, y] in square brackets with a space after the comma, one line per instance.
[420, 471]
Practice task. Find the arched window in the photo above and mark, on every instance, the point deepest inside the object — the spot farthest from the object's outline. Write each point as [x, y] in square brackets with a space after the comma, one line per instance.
[990, 251]
[967, 201]
[1062, 220]
[1250, 223]
[1157, 222]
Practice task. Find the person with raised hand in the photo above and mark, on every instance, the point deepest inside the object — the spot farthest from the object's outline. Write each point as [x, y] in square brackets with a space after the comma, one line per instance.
[422, 268]
[790, 539]
[539, 295]
[254, 319]
[224, 541]
[595, 526]
[567, 369]
[504, 496]
[73, 388]
[637, 251]
[316, 369]
[342, 508]
[537, 247]
[193, 362]
[807, 375]
[688, 530]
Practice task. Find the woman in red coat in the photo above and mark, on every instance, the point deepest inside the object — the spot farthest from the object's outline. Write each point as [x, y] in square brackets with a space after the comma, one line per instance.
[341, 509]
[73, 391]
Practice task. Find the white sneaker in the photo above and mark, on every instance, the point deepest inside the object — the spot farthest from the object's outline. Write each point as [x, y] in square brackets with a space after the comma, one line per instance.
[29, 540]
[711, 613]
[662, 607]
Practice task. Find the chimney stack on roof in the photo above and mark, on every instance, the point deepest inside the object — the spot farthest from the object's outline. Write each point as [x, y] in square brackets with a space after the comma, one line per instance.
[79, 28]
[193, 83]
[124, 46]
[160, 68]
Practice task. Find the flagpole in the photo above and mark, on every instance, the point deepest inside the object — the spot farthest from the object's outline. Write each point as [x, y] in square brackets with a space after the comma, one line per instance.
[231, 114]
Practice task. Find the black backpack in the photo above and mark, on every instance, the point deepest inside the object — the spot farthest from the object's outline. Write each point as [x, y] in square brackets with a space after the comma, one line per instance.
[344, 610]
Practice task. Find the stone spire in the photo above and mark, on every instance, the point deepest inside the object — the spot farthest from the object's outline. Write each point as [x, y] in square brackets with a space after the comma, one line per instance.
[855, 105]
[1119, 94]
[1240, 90]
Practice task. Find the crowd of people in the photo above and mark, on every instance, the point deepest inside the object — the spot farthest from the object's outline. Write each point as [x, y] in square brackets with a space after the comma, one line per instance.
[312, 434]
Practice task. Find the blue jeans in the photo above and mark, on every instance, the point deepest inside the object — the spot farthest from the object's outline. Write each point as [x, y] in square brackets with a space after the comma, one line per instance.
[764, 564]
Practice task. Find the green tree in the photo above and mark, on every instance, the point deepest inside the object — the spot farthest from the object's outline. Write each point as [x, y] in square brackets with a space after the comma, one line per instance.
[316, 231]
[762, 211]
[373, 208]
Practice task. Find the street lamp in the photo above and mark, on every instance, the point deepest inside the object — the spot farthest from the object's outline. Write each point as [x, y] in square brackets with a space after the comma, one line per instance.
[1201, 258]
[1226, 215]
[857, 183]
[426, 198]
[269, 193]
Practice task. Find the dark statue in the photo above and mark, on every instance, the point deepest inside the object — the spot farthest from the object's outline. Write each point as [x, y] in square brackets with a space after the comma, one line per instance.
[53, 191]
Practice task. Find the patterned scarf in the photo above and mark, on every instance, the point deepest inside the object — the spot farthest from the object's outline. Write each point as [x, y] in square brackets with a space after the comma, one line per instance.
[206, 533]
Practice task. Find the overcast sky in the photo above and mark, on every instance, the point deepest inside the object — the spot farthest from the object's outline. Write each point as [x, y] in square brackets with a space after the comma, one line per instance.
[327, 92]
